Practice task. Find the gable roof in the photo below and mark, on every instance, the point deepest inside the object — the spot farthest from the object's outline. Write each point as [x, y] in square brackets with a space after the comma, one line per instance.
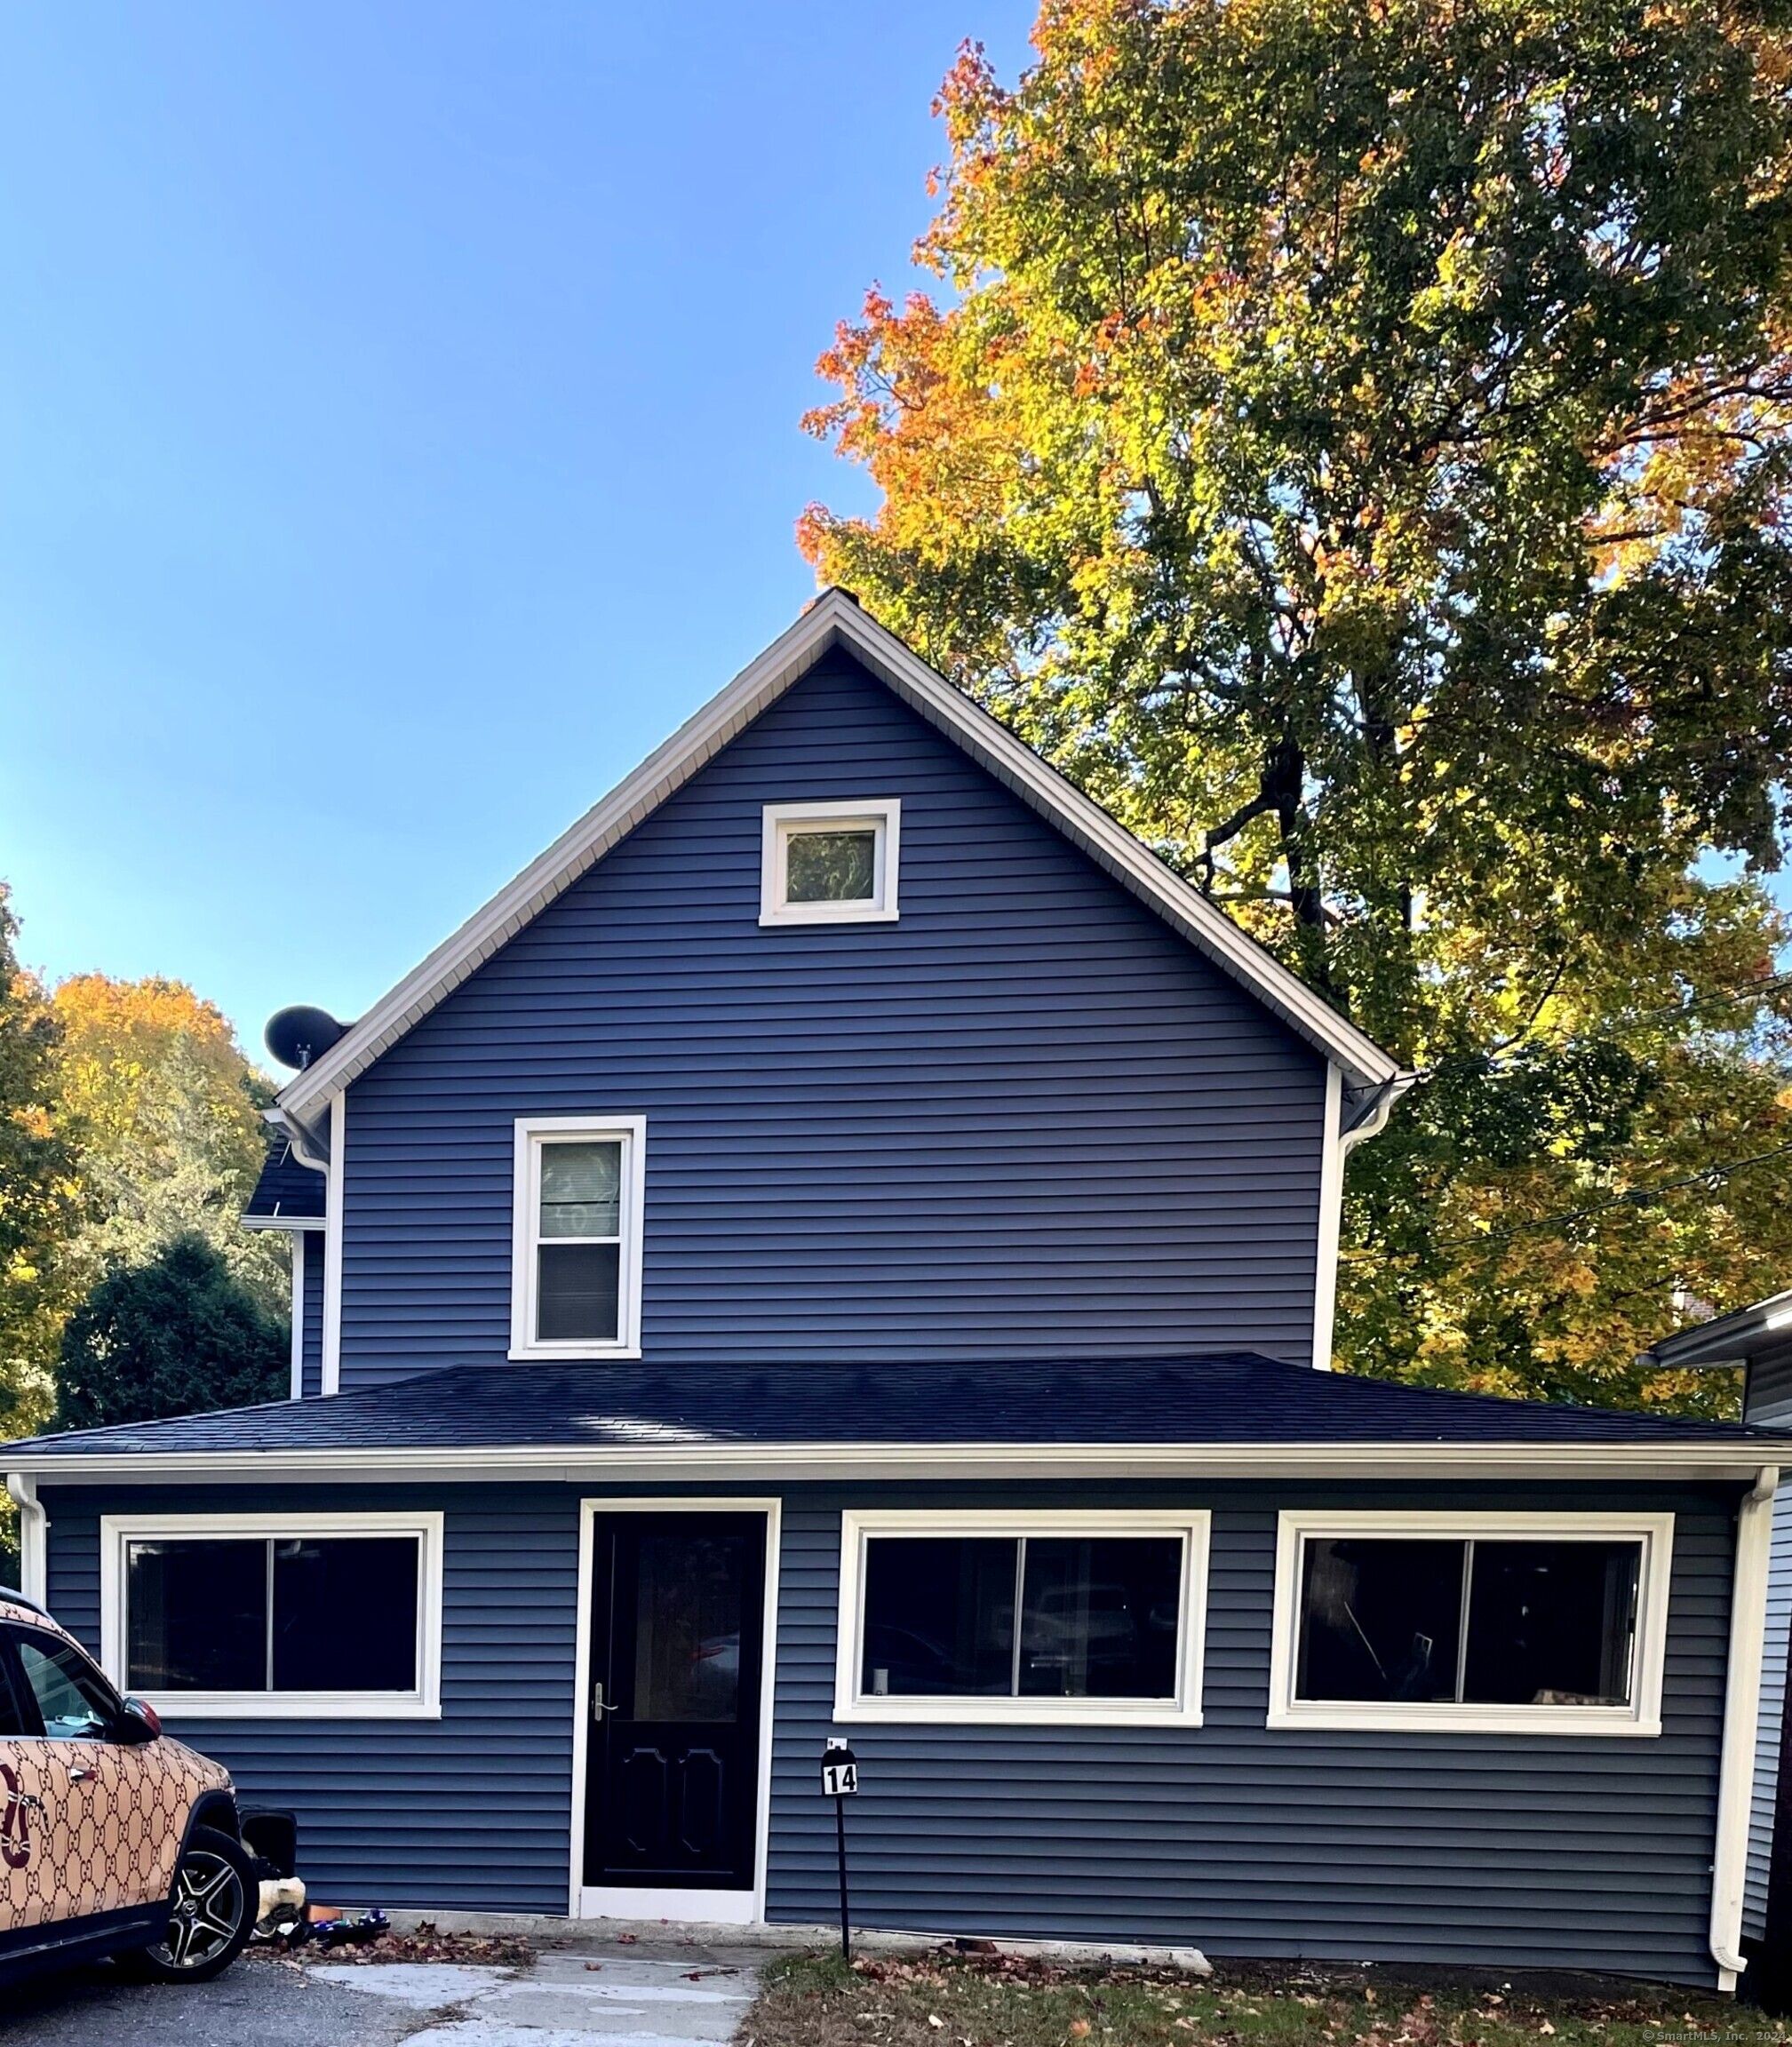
[835, 619]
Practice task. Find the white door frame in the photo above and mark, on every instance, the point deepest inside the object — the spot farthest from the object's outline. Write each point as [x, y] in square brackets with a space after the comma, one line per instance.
[733, 1908]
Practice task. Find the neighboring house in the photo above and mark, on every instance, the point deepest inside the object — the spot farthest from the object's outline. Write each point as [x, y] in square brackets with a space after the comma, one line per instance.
[845, 1245]
[1758, 1339]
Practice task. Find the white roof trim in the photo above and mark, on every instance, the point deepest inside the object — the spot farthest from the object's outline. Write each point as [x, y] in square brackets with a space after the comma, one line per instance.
[835, 619]
[698, 1461]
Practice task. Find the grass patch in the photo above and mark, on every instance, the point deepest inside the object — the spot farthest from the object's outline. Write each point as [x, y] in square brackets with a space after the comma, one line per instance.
[951, 2001]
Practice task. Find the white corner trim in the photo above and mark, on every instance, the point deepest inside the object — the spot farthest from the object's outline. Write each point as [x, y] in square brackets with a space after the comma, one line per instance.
[1641, 1717]
[425, 1703]
[1741, 1709]
[722, 1907]
[853, 1709]
[780, 822]
[297, 1346]
[33, 1537]
[835, 619]
[334, 1195]
[530, 1132]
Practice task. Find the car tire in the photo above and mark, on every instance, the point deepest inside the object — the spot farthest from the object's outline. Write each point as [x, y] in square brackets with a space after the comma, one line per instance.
[211, 1913]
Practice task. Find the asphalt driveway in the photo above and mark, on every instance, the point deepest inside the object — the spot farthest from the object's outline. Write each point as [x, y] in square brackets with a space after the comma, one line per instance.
[574, 1999]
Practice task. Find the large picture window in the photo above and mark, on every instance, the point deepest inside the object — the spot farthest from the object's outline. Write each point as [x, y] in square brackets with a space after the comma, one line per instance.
[1076, 1617]
[576, 1276]
[294, 1616]
[1503, 1622]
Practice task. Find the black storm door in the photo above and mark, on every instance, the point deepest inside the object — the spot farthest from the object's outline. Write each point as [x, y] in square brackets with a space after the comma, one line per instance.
[673, 1778]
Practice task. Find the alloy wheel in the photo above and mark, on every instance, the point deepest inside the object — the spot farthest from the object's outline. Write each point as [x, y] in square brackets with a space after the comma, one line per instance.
[206, 1914]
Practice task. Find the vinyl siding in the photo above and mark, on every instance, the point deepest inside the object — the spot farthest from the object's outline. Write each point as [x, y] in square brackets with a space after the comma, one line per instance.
[464, 1812]
[1503, 1851]
[1778, 1639]
[1767, 1397]
[1023, 1120]
[309, 1246]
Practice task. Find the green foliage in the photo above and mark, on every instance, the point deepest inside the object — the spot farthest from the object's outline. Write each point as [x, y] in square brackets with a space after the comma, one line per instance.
[177, 1335]
[167, 1111]
[39, 1210]
[1357, 449]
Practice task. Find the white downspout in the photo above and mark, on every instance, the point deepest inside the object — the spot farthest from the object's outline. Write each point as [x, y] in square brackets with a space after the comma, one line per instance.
[33, 1537]
[1741, 1712]
[1336, 1147]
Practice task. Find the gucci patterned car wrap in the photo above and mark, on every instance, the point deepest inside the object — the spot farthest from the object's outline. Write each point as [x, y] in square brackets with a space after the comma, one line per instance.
[88, 1826]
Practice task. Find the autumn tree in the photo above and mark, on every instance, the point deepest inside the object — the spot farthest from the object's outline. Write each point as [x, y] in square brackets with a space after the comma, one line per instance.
[168, 1114]
[39, 1202]
[177, 1334]
[1351, 441]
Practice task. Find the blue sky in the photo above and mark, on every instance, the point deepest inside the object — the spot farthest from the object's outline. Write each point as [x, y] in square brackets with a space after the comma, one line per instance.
[398, 437]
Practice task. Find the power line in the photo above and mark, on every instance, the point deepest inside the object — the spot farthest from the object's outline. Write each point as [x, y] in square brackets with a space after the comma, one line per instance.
[1635, 1198]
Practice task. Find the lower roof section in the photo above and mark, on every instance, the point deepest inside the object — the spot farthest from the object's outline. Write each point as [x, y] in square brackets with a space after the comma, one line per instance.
[1234, 1415]
[289, 1195]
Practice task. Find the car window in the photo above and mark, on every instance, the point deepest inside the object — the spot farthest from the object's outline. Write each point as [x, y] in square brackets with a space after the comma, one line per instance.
[75, 1702]
[11, 1705]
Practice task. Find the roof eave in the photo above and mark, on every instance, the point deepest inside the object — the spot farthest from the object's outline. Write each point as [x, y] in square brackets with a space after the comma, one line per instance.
[1727, 1340]
[1739, 1460]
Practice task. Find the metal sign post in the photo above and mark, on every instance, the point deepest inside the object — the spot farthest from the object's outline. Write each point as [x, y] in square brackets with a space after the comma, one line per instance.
[839, 1782]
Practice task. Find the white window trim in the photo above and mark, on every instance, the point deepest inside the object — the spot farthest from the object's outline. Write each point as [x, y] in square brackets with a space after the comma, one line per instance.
[117, 1530]
[882, 814]
[1642, 1717]
[531, 1132]
[1194, 1526]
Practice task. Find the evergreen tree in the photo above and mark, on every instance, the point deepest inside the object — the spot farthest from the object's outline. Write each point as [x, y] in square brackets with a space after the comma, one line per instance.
[177, 1335]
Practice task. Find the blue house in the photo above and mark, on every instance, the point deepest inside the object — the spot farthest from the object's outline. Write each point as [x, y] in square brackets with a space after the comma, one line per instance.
[844, 1245]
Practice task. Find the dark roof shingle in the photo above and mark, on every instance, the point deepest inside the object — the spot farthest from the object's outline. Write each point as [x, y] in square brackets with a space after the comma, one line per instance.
[1223, 1400]
[287, 1192]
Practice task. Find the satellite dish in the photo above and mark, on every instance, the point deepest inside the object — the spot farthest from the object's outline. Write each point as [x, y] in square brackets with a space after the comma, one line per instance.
[300, 1034]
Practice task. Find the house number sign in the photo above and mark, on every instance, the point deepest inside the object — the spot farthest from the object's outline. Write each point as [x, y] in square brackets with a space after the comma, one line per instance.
[839, 1782]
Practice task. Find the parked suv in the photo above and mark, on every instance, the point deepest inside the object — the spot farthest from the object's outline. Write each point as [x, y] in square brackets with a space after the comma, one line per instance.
[114, 1839]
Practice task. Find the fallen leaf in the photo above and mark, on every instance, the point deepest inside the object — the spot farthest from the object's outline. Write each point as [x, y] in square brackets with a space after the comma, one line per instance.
[933, 2018]
[1080, 2029]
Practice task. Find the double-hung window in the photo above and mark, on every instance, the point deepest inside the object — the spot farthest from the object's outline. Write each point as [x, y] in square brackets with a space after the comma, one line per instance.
[290, 1616]
[1093, 1618]
[576, 1261]
[1521, 1623]
[830, 862]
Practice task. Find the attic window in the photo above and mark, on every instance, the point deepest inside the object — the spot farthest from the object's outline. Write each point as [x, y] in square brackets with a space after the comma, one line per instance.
[830, 862]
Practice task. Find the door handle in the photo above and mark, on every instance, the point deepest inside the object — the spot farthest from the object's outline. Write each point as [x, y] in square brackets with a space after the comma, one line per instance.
[598, 1708]
[79, 1776]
